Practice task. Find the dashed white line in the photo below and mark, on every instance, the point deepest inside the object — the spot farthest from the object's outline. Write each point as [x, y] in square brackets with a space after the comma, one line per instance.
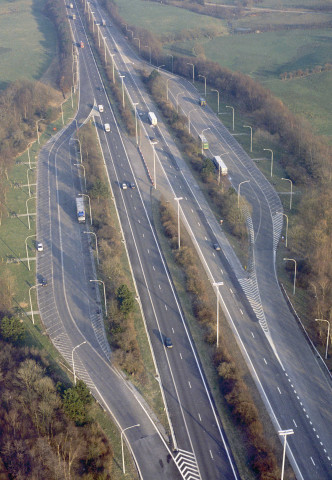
[205, 238]
[241, 311]
[172, 329]
[211, 454]
[192, 211]
[153, 267]
[200, 418]
[231, 290]
[294, 422]
[159, 287]
[265, 361]
[165, 307]
[221, 271]
[312, 461]
[143, 235]
[198, 224]
[279, 390]
[181, 355]
[148, 252]
[253, 336]
[189, 384]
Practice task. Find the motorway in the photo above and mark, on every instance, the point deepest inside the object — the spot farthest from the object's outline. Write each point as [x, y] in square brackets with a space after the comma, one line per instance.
[69, 305]
[273, 344]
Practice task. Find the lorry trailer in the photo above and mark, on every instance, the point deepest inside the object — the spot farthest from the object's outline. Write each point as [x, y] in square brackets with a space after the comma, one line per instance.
[80, 210]
[220, 165]
[152, 118]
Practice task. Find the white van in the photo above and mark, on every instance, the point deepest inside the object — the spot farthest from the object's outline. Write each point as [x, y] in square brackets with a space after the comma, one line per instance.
[107, 127]
[101, 108]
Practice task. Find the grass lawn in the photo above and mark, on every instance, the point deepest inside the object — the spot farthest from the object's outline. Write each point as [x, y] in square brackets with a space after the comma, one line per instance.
[27, 40]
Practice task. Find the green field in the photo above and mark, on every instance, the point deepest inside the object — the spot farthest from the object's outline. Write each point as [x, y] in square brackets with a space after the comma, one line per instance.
[27, 40]
[280, 4]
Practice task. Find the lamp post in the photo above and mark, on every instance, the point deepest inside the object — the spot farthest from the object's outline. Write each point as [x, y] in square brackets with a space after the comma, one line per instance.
[177, 101]
[269, 150]
[177, 199]
[148, 46]
[75, 120]
[193, 70]
[28, 180]
[328, 333]
[248, 126]
[139, 44]
[238, 192]
[26, 248]
[154, 164]
[123, 100]
[217, 285]
[284, 214]
[229, 106]
[122, 432]
[85, 195]
[291, 191]
[214, 90]
[72, 359]
[193, 110]
[203, 76]
[33, 286]
[295, 265]
[284, 433]
[167, 87]
[160, 66]
[93, 233]
[204, 130]
[81, 165]
[169, 55]
[100, 281]
[26, 205]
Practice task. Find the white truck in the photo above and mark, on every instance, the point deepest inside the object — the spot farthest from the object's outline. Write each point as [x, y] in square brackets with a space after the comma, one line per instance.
[103, 22]
[152, 118]
[80, 210]
[71, 5]
[220, 165]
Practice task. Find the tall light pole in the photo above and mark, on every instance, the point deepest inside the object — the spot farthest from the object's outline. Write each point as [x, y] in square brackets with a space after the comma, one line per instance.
[328, 333]
[26, 248]
[103, 283]
[214, 90]
[238, 191]
[148, 46]
[177, 199]
[295, 266]
[204, 130]
[167, 87]
[193, 70]
[193, 110]
[93, 233]
[217, 285]
[284, 433]
[229, 106]
[85, 195]
[122, 432]
[72, 359]
[291, 191]
[33, 286]
[203, 76]
[284, 214]
[177, 101]
[248, 126]
[154, 164]
[269, 150]
[81, 165]
[169, 55]
[136, 129]
[123, 101]
[26, 205]
[139, 44]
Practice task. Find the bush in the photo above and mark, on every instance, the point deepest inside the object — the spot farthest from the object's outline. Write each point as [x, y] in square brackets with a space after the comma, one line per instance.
[12, 329]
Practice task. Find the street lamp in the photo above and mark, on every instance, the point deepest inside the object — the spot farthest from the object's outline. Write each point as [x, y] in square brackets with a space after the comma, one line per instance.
[85, 195]
[214, 90]
[177, 199]
[269, 150]
[123, 101]
[204, 130]
[122, 432]
[177, 101]
[72, 359]
[160, 66]
[169, 55]
[167, 87]
[75, 120]
[328, 333]
[295, 264]
[93, 233]
[284, 433]
[203, 76]
[193, 70]
[248, 126]
[238, 192]
[284, 214]
[217, 285]
[26, 205]
[229, 106]
[26, 248]
[148, 46]
[154, 163]
[100, 281]
[291, 191]
[28, 180]
[81, 165]
[193, 110]
[139, 44]
[33, 286]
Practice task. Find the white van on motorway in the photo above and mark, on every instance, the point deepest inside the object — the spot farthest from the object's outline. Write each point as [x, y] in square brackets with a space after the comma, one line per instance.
[101, 108]
[107, 127]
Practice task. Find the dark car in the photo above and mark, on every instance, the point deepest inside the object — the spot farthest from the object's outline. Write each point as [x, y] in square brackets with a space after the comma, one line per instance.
[168, 343]
[216, 246]
[43, 282]
[132, 185]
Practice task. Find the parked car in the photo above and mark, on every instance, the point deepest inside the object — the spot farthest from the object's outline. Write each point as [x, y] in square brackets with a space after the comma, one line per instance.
[44, 282]
[40, 247]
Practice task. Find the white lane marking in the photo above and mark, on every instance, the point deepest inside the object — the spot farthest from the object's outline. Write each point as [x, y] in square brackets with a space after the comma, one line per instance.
[165, 307]
[213, 254]
[148, 252]
[279, 390]
[143, 235]
[200, 418]
[205, 238]
[139, 221]
[241, 311]
[312, 461]
[181, 355]
[159, 287]
[198, 224]
[294, 422]
[253, 336]
[189, 384]
[153, 267]
[172, 329]
[265, 361]
[192, 211]
[134, 208]
[211, 454]
[231, 290]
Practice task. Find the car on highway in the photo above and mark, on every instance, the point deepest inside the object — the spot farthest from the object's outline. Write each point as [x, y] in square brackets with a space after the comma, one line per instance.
[40, 247]
[132, 185]
[124, 185]
[216, 246]
[107, 127]
[168, 342]
[100, 108]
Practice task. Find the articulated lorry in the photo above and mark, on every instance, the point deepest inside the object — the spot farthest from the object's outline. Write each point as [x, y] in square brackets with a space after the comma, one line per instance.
[220, 165]
[80, 210]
